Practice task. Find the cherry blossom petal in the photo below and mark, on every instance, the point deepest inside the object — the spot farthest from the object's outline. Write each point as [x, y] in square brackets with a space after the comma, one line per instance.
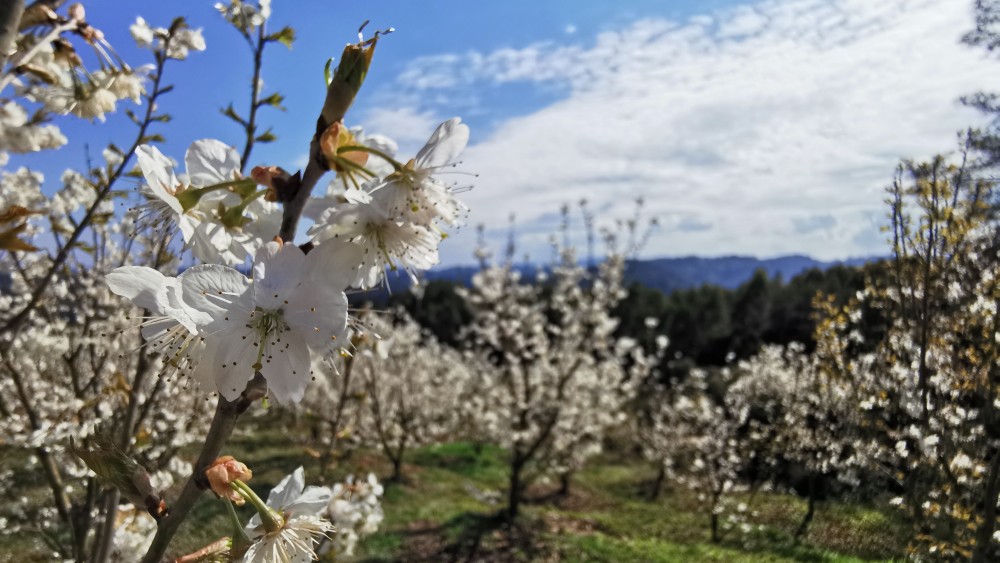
[159, 173]
[287, 368]
[446, 143]
[210, 161]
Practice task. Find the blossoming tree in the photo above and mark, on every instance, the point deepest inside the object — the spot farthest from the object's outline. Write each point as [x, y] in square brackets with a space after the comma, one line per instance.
[549, 377]
[927, 390]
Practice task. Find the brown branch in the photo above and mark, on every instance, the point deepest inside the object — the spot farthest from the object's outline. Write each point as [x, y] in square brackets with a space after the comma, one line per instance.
[251, 127]
[223, 423]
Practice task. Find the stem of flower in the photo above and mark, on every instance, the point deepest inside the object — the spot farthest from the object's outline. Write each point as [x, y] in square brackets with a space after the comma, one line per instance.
[189, 198]
[239, 534]
[271, 519]
[233, 217]
[361, 148]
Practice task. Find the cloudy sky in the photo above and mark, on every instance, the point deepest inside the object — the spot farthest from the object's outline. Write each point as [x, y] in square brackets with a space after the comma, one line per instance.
[754, 128]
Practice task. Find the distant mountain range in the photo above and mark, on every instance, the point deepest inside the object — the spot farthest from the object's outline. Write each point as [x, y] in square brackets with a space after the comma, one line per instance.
[665, 274]
[671, 274]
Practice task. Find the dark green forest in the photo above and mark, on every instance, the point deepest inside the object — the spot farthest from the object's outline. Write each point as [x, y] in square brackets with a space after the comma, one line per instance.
[706, 326]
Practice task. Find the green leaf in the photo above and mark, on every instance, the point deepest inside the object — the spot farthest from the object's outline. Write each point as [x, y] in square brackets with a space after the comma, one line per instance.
[116, 468]
[286, 36]
[274, 99]
[231, 114]
[154, 138]
[266, 137]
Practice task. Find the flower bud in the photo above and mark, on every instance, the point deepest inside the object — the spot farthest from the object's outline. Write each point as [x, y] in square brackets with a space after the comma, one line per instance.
[332, 140]
[347, 79]
[222, 472]
[271, 177]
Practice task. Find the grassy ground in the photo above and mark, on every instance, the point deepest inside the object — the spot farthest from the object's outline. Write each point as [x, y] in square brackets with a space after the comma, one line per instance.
[434, 515]
[606, 517]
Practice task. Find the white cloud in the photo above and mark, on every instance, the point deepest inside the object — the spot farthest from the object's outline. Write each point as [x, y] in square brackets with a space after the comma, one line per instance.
[743, 21]
[570, 29]
[406, 125]
[765, 129]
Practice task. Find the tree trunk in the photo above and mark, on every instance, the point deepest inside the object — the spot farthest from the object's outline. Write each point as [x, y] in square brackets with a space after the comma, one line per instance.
[397, 469]
[661, 476]
[984, 535]
[715, 527]
[564, 482]
[514, 495]
[810, 511]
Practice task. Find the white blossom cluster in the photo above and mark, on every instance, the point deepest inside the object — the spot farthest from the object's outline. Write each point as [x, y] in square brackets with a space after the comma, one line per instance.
[356, 511]
[245, 16]
[19, 135]
[52, 77]
[396, 221]
[220, 328]
[175, 43]
[549, 376]
[216, 223]
[412, 384]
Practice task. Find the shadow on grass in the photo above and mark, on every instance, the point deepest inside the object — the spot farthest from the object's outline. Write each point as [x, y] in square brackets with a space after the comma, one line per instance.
[471, 537]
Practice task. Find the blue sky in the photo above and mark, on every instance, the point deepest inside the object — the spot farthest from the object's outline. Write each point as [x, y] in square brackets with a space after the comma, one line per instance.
[758, 128]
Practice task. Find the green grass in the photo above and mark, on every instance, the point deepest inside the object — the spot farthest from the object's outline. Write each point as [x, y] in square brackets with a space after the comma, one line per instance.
[432, 516]
[607, 517]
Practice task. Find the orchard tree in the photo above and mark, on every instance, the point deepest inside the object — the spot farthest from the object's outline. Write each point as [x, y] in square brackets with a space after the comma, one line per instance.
[928, 391]
[412, 385]
[801, 415]
[549, 378]
[698, 442]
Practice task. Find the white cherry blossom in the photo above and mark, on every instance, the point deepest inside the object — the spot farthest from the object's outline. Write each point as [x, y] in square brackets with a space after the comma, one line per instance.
[174, 199]
[384, 241]
[274, 326]
[413, 192]
[302, 509]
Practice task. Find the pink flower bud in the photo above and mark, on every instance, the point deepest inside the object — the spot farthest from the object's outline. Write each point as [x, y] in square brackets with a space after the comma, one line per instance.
[332, 140]
[222, 472]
